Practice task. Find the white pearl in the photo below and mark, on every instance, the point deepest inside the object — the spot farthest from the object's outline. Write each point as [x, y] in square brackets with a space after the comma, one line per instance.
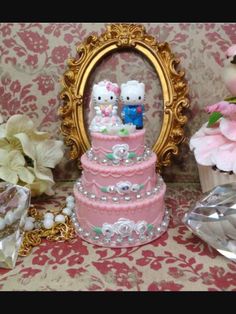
[9, 218]
[32, 219]
[60, 218]
[2, 224]
[49, 216]
[70, 205]
[67, 211]
[29, 225]
[48, 223]
[70, 198]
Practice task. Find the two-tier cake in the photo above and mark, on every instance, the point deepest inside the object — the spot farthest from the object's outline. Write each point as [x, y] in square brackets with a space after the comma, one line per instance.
[120, 197]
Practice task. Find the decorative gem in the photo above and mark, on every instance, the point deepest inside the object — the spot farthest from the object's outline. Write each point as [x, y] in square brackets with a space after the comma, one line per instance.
[127, 198]
[138, 196]
[14, 199]
[103, 198]
[115, 199]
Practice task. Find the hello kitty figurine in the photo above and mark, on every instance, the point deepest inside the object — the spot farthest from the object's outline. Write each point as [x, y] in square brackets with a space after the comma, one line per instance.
[132, 97]
[105, 96]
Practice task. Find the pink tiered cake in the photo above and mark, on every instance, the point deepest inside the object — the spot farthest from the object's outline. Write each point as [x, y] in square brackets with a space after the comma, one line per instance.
[120, 197]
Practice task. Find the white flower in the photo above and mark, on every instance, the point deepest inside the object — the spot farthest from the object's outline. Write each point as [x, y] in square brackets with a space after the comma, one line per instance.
[36, 154]
[141, 227]
[12, 167]
[135, 188]
[44, 155]
[123, 187]
[107, 230]
[124, 227]
[120, 151]
[1, 119]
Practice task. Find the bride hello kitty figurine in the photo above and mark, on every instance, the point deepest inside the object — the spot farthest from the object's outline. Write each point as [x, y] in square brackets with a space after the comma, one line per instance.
[105, 96]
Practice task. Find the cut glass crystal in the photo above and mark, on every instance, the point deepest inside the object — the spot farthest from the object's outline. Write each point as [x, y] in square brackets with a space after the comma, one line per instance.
[213, 219]
[14, 204]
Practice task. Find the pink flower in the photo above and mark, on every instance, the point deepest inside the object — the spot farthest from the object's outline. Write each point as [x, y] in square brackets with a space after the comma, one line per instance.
[45, 83]
[15, 86]
[60, 54]
[32, 60]
[34, 41]
[224, 107]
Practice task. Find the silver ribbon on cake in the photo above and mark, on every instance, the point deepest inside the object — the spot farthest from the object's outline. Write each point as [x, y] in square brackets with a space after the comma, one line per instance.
[213, 219]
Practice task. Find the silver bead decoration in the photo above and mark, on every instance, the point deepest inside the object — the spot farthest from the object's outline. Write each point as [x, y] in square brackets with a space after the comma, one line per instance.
[148, 152]
[142, 237]
[115, 199]
[95, 158]
[86, 234]
[119, 240]
[76, 224]
[96, 238]
[151, 233]
[138, 196]
[159, 229]
[78, 183]
[81, 189]
[92, 196]
[85, 193]
[139, 158]
[104, 161]
[103, 198]
[80, 230]
[130, 240]
[166, 212]
[155, 190]
[127, 198]
[106, 240]
[164, 223]
[127, 162]
[148, 193]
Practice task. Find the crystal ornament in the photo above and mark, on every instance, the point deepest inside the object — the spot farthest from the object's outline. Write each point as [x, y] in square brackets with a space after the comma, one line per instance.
[14, 204]
[213, 219]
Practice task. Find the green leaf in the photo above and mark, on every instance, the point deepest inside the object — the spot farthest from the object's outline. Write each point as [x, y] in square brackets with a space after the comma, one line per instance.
[131, 155]
[214, 117]
[110, 156]
[98, 230]
[104, 189]
[123, 132]
[141, 186]
[231, 100]
[104, 131]
[149, 227]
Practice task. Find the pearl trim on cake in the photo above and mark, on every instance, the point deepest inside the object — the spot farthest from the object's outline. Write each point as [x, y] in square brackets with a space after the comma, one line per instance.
[117, 239]
[120, 198]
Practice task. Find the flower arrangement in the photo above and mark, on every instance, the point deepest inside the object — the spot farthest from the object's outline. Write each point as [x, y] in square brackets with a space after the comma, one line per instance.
[225, 108]
[27, 155]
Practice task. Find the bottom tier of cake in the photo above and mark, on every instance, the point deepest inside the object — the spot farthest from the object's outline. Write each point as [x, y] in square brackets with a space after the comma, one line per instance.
[121, 225]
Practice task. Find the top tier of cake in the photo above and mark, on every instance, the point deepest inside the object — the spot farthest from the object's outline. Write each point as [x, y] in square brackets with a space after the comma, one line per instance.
[115, 147]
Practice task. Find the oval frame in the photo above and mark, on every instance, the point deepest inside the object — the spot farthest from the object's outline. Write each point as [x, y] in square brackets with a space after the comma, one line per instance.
[174, 88]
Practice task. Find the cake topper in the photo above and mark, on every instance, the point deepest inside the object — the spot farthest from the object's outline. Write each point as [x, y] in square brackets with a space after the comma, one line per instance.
[132, 97]
[105, 97]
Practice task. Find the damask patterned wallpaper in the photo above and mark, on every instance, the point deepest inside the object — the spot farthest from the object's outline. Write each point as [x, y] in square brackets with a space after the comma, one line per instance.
[33, 59]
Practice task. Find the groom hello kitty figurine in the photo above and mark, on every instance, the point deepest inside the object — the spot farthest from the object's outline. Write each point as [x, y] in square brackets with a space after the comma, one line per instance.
[132, 97]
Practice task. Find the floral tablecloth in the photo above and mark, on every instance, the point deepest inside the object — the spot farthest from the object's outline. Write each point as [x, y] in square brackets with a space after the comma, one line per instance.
[178, 261]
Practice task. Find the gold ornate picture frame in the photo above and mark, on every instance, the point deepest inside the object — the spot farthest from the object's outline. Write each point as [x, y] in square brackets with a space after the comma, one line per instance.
[174, 87]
